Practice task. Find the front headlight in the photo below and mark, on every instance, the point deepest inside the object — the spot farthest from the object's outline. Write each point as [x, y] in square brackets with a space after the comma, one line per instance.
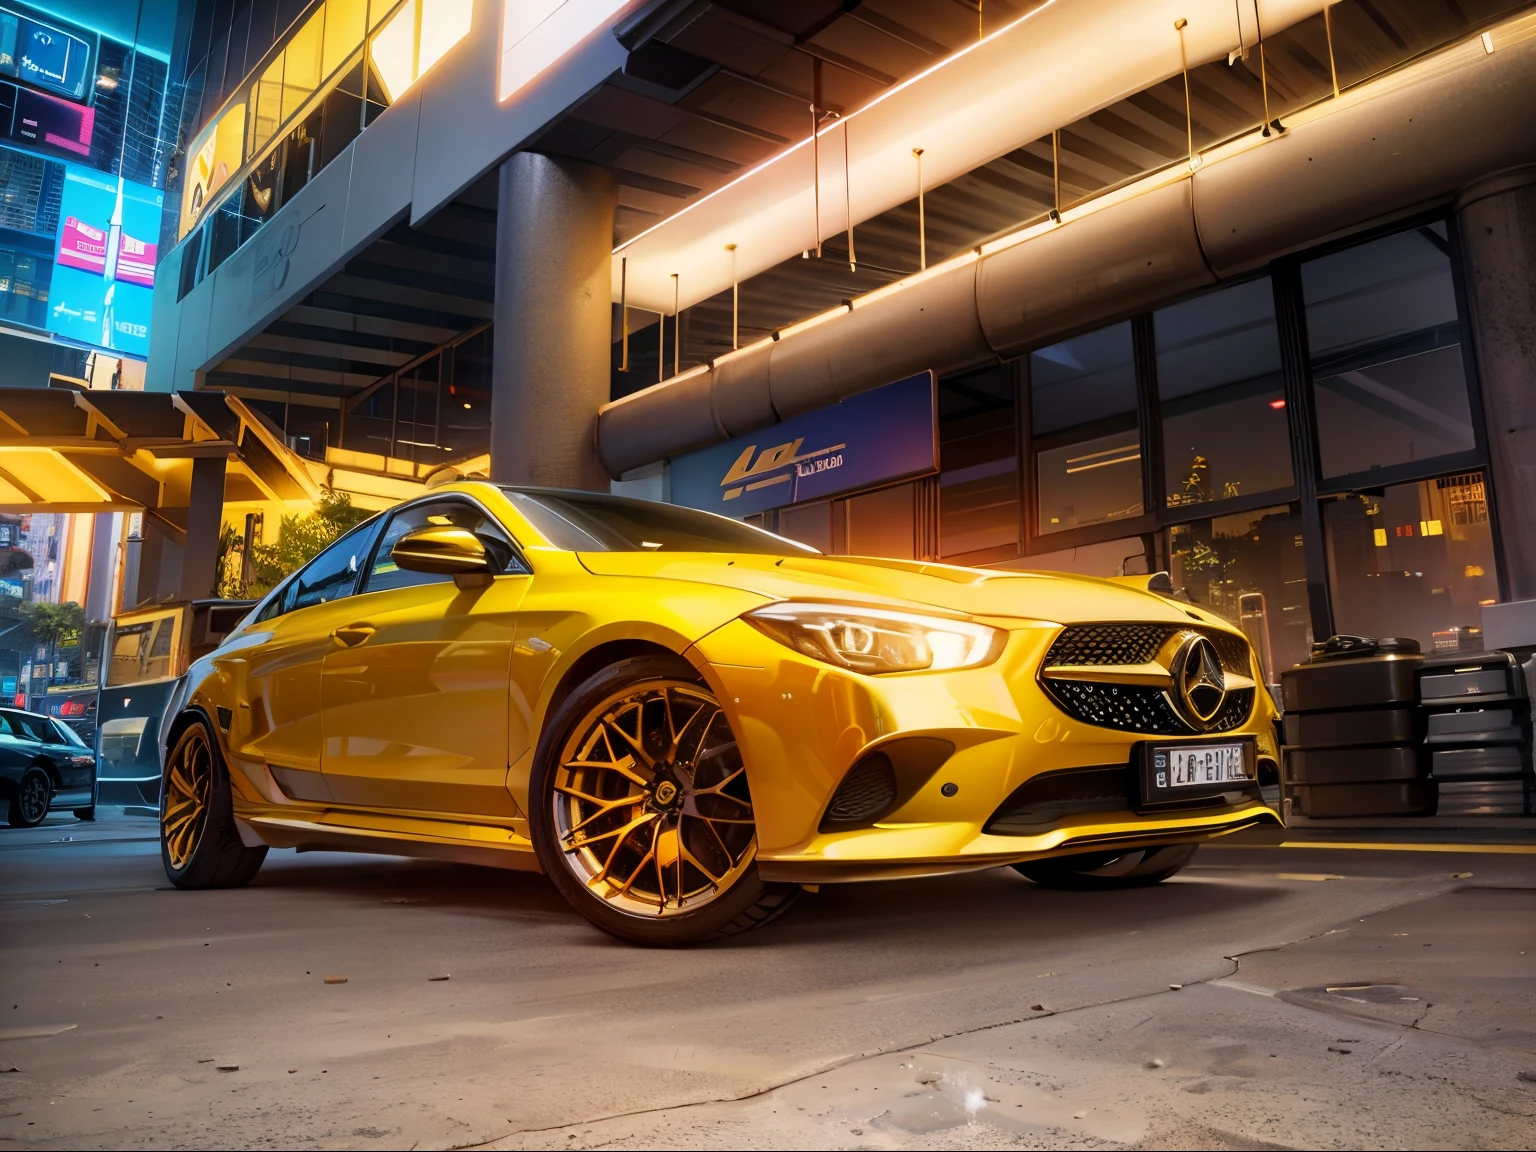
[875, 640]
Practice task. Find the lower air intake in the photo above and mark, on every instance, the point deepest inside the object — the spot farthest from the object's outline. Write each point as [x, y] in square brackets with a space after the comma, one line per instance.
[866, 793]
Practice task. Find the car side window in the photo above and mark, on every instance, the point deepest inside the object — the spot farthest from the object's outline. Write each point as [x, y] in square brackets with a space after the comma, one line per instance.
[332, 574]
[384, 574]
[25, 728]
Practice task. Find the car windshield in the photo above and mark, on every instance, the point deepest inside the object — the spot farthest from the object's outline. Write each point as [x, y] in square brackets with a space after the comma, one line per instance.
[594, 522]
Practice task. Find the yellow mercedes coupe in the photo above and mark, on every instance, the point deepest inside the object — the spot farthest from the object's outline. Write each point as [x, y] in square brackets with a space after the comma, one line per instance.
[683, 720]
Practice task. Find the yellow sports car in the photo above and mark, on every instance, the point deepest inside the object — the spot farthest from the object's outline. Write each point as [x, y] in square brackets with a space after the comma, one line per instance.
[683, 720]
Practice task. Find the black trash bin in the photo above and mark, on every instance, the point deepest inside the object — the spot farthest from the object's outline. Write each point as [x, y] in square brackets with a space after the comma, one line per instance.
[1353, 730]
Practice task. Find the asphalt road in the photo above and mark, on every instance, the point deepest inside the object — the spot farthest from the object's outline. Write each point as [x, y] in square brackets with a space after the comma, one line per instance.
[1269, 997]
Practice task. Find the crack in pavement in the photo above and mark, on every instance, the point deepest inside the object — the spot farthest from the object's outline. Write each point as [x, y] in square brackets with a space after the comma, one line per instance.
[841, 1063]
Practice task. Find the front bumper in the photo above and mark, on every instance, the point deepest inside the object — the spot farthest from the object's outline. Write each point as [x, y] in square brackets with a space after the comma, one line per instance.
[803, 724]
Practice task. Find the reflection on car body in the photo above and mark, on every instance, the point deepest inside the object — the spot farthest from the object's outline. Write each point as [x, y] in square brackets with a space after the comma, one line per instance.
[684, 720]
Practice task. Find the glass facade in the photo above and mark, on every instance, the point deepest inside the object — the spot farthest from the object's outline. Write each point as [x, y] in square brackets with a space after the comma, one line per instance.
[1084, 429]
[1414, 560]
[1250, 569]
[1175, 441]
[1221, 396]
[271, 117]
[979, 484]
[1387, 362]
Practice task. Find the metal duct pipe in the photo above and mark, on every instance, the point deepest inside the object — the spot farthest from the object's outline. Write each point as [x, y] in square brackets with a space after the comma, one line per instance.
[1411, 138]
[879, 341]
[1114, 262]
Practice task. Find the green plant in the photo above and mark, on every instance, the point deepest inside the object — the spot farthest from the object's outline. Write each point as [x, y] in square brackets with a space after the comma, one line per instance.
[300, 539]
[229, 565]
[48, 624]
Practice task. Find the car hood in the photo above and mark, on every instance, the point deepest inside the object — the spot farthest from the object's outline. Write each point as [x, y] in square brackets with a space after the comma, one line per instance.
[1049, 596]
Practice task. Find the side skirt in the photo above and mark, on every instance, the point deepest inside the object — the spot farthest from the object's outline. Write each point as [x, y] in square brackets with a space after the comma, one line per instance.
[484, 845]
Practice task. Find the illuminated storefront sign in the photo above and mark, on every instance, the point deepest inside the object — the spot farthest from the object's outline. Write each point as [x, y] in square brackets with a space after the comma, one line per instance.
[104, 264]
[537, 33]
[875, 437]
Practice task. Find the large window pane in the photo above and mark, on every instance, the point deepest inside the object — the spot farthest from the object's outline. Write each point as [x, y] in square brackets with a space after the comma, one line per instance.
[343, 116]
[1249, 568]
[344, 20]
[1127, 557]
[267, 104]
[392, 54]
[978, 452]
[444, 23]
[1414, 560]
[1221, 396]
[1083, 423]
[1386, 353]
[302, 75]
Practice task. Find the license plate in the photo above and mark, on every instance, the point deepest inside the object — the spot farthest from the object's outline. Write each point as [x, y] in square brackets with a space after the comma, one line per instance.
[1174, 769]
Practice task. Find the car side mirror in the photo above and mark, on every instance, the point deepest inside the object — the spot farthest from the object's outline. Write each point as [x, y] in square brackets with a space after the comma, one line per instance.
[443, 551]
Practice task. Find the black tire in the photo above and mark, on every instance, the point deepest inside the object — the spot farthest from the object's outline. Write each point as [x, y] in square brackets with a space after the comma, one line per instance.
[29, 804]
[86, 814]
[746, 903]
[213, 856]
[1100, 871]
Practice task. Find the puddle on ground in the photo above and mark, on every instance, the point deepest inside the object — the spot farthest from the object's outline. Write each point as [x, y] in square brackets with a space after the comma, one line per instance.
[922, 1093]
[1384, 1002]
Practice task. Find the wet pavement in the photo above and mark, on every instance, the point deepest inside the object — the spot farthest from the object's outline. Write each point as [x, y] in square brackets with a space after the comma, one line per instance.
[1270, 996]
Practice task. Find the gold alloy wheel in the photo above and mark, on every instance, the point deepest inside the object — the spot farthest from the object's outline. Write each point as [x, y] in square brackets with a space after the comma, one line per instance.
[650, 801]
[186, 796]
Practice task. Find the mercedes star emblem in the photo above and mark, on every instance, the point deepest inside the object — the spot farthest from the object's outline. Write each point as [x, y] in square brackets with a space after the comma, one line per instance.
[1199, 685]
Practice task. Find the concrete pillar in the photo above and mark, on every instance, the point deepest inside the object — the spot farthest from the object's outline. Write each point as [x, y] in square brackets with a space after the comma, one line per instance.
[1497, 218]
[205, 515]
[550, 366]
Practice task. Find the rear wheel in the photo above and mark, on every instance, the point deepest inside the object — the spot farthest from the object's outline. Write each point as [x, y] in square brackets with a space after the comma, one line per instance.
[30, 803]
[641, 813]
[199, 843]
[1133, 868]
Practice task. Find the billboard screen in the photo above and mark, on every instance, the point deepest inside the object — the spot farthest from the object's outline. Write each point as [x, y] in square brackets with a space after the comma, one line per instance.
[48, 122]
[215, 155]
[44, 55]
[104, 262]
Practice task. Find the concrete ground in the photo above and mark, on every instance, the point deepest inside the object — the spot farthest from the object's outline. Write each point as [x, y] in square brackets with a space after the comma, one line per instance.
[1269, 997]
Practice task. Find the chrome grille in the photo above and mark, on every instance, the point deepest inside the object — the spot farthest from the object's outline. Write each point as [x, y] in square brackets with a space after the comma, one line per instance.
[1134, 708]
[1108, 644]
[1139, 707]
[1101, 644]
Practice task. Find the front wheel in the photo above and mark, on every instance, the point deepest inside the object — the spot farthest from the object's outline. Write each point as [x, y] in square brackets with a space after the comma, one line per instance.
[29, 806]
[641, 813]
[1090, 871]
[199, 843]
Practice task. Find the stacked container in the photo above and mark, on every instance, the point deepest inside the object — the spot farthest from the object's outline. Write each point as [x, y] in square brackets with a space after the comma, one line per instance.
[1352, 730]
[1477, 734]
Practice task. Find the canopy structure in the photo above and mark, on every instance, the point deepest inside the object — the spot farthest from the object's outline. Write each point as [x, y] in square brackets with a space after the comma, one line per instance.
[191, 462]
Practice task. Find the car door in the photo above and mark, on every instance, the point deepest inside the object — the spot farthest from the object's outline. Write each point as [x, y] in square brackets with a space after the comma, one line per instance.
[282, 670]
[416, 683]
[16, 750]
[77, 766]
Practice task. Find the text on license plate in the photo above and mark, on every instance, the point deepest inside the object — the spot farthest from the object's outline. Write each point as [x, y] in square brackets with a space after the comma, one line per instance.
[1199, 764]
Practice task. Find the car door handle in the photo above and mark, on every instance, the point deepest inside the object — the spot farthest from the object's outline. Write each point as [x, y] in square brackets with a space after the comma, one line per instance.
[351, 635]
